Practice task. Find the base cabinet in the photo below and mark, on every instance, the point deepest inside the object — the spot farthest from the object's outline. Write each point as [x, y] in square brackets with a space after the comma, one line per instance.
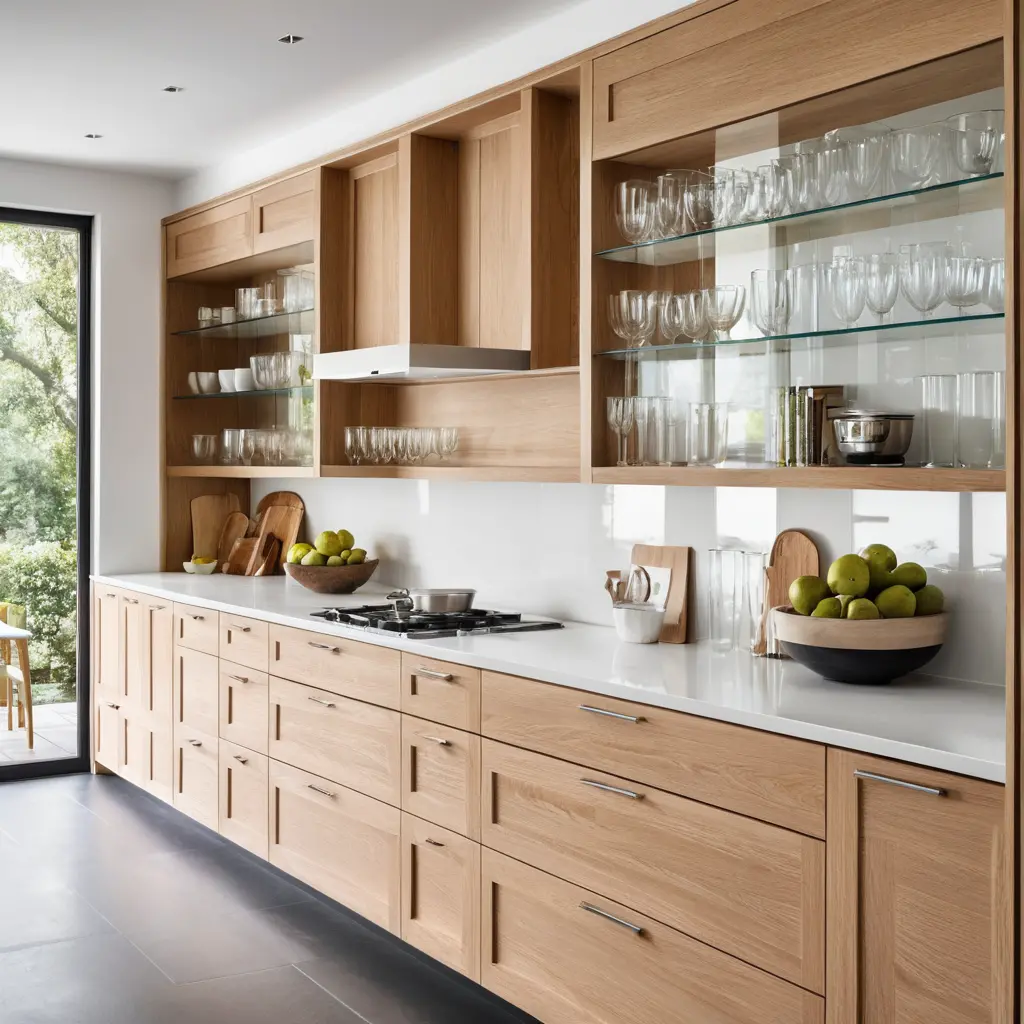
[441, 894]
[339, 841]
[915, 876]
[243, 797]
[196, 775]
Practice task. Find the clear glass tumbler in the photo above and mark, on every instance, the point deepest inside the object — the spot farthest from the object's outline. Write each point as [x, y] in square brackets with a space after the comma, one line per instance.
[978, 412]
[938, 411]
[735, 598]
[709, 433]
[231, 446]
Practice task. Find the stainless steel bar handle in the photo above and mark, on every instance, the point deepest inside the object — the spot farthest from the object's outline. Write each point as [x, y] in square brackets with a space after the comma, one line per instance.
[325, 703]
[322, 792]
[238, 757]
[635, 719]
[111, 704]
[612, 789]
[131, 600]
[108, 594]
[198, 618]
[434, 842]
[241, 679]
[591, 909]
[196, 743]
[324, 647]
[157, 607]
[916, 786]
[446, 676]
[241, 629]
[437, 739]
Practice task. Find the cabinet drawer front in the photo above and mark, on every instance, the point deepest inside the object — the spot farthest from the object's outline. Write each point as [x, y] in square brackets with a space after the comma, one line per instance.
[244, 706]
[244, 784]
[774, 778]
[107, 733]
[132, 747]
[697, 74]
[196, 690]
[159, 779]
[245, 641]
[196, 783]
[544, 951]
[441, 775]
[196, 628]
[441, 895]
[206, 239]
[344, 844]
[747, 888]
[441, 692]
[347, 667]
[354, 744]
[285, 213]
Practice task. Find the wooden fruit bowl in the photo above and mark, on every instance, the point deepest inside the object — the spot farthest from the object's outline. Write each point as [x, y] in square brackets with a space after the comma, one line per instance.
[867, 651]
[332, 579]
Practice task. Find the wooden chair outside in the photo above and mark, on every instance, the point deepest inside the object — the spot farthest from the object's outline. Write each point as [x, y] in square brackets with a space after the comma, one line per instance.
[16, 679]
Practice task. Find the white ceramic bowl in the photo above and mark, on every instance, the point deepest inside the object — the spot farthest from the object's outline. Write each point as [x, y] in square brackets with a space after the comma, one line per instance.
[193, 569]
[209, 384]
[244, 379]
[638, 623]
[227, 379]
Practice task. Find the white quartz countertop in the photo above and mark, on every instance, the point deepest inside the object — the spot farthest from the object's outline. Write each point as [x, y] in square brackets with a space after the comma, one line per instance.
[938, 723]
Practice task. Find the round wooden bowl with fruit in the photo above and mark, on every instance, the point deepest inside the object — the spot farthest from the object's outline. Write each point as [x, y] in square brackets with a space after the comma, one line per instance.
[332, 579]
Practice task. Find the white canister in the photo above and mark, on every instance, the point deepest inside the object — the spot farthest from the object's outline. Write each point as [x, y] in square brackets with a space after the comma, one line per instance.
[638, 623]
[227, 380]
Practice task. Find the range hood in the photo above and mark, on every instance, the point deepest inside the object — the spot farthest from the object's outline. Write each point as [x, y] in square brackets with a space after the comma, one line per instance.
[417, 362]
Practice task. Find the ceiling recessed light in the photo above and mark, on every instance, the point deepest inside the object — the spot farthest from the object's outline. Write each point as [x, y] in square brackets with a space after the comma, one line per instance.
[289, 39]
[174, 88]
[93, 135]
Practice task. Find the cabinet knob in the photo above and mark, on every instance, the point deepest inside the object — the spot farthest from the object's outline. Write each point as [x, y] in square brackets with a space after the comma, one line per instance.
[445, 676]
[591, 909]
[635, 719]
[916, 786]
[111, 704]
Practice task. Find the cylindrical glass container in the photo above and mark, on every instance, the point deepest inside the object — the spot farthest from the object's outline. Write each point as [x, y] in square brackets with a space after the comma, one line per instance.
[709, 433]
[977, 416]
[938, 409]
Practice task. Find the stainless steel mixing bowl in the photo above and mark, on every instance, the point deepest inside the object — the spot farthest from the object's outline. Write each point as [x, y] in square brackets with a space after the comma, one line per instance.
[866, 434]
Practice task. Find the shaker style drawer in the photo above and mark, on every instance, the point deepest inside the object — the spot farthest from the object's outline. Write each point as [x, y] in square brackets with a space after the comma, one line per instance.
[347, 667]
[441, 895]
[244, 782]
[244, 706]
[218, 235]
[106, 733]
[196, 628]
[760, 774]
[744, 887]
[196, 782]
[568, 956]
[441, 692]
[441, 775]
[285, 213]
[355, 744]
[245, 641]
[196, 690]
[344, 844]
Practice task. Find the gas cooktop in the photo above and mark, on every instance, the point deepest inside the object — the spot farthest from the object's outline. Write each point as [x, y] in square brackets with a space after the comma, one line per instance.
[382, 618]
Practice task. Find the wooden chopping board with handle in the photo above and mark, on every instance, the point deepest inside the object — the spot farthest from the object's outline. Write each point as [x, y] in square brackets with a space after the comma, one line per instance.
[281, 521]
[209, 511]
[235, 527]
[793, 554]
[279, 498]
[674, 630]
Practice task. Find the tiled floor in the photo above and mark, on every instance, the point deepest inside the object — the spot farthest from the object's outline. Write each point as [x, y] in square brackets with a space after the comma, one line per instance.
[56, 734]
[115, 909]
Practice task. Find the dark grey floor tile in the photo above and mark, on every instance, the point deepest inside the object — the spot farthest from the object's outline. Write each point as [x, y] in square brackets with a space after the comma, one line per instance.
[279, 996]
[32, 913]
[96, 980]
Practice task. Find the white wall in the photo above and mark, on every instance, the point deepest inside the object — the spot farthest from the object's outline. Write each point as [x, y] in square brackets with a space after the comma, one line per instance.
[126, 344]
[562, 35]
[544, 548]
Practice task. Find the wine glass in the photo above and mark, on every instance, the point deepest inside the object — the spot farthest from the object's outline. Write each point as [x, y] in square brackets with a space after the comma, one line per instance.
[448, 442]
[867, 148]
[976, 140]
[723, 307]
[671, 315]
[915, 156]
[830, 163]
[923, 275]
[699, 204]
[965, 281]
[844, 279]
[881, 283]
[620, 419]
[633, 315]
[635, 208]
[694, 315]
[771, 301]
[670, 217]
[774, 188]
[995, 285]
[353, 450]
[805, 188]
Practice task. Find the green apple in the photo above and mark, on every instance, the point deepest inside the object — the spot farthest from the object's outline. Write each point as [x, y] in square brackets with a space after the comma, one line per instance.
[909, 575]
[844, 603]
[357, 557]
[297, 552]
[861, 608]
[806, 592]
[829, 608]
[849, 574]
[881, 561]
[335, 560]
[929, 600]
[345, 539]
[896, 602]
[314, 558]
[327, 543]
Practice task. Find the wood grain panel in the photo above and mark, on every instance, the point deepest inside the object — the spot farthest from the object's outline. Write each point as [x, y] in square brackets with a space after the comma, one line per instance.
[196, 774]
[155, 693]
[374, 252]
[749, 889]
[244, 797]
[196, 690]
[441, 691]
[344, 844]
[244, 706]
[218, 235]
[284, 213]
[244, 641]
[196, 628]
[766, 776]
[544, 951]
[158, 775]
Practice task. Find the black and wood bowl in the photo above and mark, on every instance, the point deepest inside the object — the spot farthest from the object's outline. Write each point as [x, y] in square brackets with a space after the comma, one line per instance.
[332, 579]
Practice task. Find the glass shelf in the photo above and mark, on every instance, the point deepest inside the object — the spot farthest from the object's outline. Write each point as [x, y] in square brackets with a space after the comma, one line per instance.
[698, 245]
[938, 327]
[304, 390]
[298, 322]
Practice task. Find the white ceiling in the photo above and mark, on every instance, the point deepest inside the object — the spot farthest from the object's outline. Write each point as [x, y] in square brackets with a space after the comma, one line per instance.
[76, 66]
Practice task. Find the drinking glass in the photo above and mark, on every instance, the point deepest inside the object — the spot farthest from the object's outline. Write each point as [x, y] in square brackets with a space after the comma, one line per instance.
[923, 275]
[775, 185]
[844, 279]
[723, 307]
[830, 161]
[805, 188]
[699, 204]
[694, 315]
[771, 301]
[649, 416]
[709, 433]
[999, 422]
[635, 208]
[204, 447]
[978, 412]
[994, 294]
[353, 450]
[976, 140]
[730, 193]
[735, 597]
[620, 419]
[290, 281]
[916, 156]
[231, 446]
[965, 281]
[249, 446]
[633, 315]
[938, 409]
[672, 316]
[867, 149]
[881, 283]
[670, 217]
[449, 442]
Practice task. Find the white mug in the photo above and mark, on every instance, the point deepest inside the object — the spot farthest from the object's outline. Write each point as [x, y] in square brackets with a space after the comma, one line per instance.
[227, 380]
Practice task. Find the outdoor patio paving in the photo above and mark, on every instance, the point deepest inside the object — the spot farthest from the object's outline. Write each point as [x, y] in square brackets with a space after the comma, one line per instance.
[56, 734]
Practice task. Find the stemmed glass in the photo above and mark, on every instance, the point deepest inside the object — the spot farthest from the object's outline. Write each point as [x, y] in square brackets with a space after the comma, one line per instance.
[771, 301]
[448, 442]
[775, 183]
[353, 449]
[923, 275]
[867, 147]
[830, 165]
[699, 204]
[915, 156]
[621, 420]
[694, 315]
[965, 281]
[723, 307]
[844, 278]
[672, 316]
[633, 316]
[995, 285]
[881, 283]
[976, 140]
[670, 216]
[635, 210]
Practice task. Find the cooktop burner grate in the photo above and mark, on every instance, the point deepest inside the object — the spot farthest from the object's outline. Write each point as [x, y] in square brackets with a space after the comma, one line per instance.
[382, 618]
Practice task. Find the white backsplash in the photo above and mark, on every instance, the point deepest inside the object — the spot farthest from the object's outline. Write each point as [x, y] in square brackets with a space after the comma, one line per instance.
[544, 548]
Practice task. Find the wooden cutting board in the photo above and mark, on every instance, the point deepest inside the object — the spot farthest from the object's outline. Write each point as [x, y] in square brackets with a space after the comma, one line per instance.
[793, 554]
[279, 498]
[674, 630]
[235, 527]
[241, 554]
[209, 511]
[283, 522]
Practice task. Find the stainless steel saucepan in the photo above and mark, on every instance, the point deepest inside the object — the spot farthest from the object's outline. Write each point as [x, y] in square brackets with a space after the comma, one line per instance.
[419, 599]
